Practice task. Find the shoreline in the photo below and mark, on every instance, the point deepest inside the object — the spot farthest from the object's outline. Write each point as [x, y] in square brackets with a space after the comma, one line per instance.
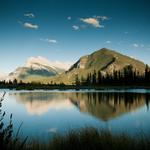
[73, 87]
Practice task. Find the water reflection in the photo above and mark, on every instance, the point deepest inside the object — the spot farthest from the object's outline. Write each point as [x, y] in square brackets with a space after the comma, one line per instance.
[38, 103]
[104, 106]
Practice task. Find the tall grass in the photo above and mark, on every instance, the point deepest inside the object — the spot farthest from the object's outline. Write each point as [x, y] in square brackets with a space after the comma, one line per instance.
[93, 139]
[7, 141]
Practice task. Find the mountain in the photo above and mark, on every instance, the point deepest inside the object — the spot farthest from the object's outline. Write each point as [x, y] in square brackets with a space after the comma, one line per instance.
[37, 68]
[103, 60]
[106, 61]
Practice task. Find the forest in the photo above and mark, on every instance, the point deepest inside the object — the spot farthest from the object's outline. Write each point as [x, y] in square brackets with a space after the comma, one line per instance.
[127, 76]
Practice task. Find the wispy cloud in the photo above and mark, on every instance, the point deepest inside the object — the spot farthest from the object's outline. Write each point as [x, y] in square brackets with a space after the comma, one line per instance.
[49, 40]
[102, 17]
[136, 45]
[69, 18]
[108, 42]
[126, 32]
[20, 22]
[30, 25]
[29, 15]
[75, 27]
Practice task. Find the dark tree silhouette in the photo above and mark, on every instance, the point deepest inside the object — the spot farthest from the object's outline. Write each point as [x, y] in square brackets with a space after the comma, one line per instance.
[125, 77]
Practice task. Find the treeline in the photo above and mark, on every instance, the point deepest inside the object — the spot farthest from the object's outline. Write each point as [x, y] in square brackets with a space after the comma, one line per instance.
[20, 85]
[128, 76]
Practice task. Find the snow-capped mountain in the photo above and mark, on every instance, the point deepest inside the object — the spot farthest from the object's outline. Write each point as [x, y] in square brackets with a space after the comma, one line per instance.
[38, 66]
[38, 62]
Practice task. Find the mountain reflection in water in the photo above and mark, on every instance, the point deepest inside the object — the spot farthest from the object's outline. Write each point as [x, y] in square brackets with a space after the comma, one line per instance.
[41, 102]
[102, 105]
[107, 106]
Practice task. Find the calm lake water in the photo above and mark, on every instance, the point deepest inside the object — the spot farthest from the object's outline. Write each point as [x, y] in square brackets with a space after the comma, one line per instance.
[45, 113]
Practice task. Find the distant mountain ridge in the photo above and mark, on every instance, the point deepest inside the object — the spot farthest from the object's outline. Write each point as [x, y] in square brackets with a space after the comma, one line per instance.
[37, 67]
[103, 60]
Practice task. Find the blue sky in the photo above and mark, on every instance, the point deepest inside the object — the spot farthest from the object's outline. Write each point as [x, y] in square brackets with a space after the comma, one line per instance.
[65, 30]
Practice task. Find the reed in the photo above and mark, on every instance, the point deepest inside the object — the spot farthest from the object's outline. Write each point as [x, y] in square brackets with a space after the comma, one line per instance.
[91, 139]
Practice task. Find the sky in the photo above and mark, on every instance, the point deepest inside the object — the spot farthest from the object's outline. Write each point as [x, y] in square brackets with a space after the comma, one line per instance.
[65, 30]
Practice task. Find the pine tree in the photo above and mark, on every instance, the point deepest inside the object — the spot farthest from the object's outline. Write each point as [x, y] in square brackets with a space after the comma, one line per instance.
[77, 81]
[147, 73]
[99, 80]
[94, 78]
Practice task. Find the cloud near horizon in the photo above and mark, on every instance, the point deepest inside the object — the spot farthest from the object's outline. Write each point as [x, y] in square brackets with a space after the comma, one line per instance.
[30, 25]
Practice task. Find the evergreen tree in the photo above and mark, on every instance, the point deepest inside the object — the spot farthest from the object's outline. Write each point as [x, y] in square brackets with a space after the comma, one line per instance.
[147, 73]
[94, 78]
[77, 81]
[15, 82]
[99, 79]
[88, 80]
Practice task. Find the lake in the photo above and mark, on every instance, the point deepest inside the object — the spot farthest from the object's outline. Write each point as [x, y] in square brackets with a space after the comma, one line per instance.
[45, 113]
